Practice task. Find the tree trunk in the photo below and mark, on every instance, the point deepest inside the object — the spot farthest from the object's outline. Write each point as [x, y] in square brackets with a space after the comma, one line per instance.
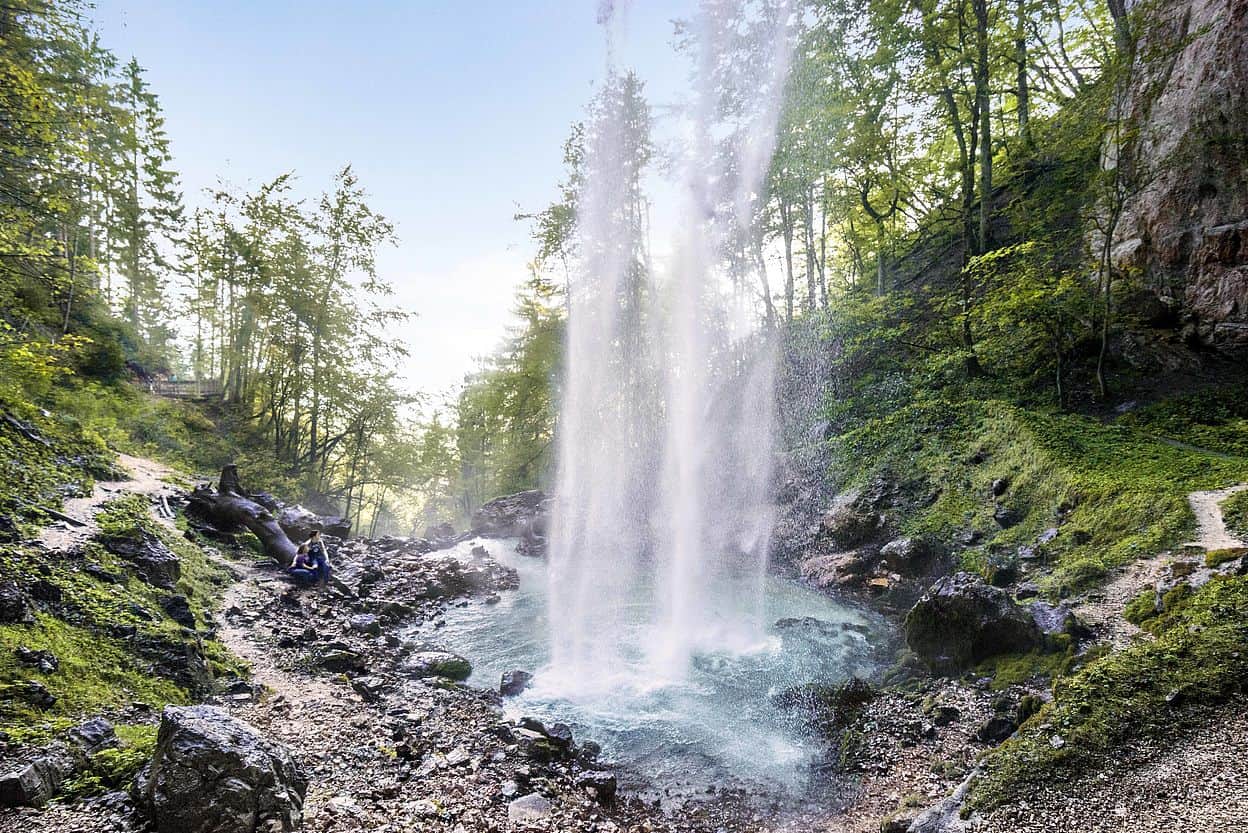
[1024, 90]
[983, 97]
[786, 223]
[229, 507]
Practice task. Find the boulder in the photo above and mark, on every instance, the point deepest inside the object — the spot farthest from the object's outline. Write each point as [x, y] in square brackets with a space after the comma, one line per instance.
[14, 606]
[436, 663]
[962, 620]
[603, 784]
[513, 516]
[299, 523]
[155, 563]
[212, 773]
[905, 555]
[837, 569]
[1053, 620]
[514, 683]
[95, 735]
[847, 522]
[179, 660]
[32, 781]
[45, 661]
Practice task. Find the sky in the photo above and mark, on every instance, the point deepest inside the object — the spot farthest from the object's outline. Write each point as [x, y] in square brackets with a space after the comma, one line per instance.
[452, 113]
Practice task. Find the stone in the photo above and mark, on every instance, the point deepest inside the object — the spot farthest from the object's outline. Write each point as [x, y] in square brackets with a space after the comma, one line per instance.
[95, 735]
[14, 606]
[603, 784]
[1000, 486]
[179, 609]
[343, 661]
[46, 661]
[961, 621]
[213, 773]
[365, 623]
[1006, 516]
[513, 516]
[905, 555]
[32, 782]
[514, 683]
[996, 730]
[528, 808]
[155, 563]
[847, 523]
[35, 693]
[299, 523]
[436, 663]
[1053, 620]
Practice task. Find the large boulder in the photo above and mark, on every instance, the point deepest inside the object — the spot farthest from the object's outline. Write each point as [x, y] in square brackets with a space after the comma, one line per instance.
[849, 521]
[32, 780]
[155, 563]
[299, 523]
[962, 620]
[513, 516]
[212, 773]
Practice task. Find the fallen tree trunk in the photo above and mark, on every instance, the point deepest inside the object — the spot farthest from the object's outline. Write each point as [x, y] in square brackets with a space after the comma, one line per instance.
[228, 506]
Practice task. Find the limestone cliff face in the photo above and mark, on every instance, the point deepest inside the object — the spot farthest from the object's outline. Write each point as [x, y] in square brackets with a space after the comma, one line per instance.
[1186, 231]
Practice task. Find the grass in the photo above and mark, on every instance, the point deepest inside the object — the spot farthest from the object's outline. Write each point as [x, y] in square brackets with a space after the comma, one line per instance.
[1114, 491]
[1197, 660]
[98, 672]
[1235, 514]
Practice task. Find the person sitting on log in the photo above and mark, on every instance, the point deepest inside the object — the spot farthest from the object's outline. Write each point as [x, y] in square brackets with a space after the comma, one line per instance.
[320, 558]
[303, 569]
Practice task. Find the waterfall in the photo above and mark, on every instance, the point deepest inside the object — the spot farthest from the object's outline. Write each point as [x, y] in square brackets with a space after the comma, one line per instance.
[665, 436]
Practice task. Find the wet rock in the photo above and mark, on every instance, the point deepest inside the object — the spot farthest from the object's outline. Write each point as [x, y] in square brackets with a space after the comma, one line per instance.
[603, 784]
[847, 522]
[212, 773]
[435, 663]
[528, 809]
[826, 708]
[514, 683]
[8, 530]
[93, 736]
[179, 609]
[837, 569]
[45, 661]
[961, 620]
[370, 688]
[905, 555]
[33, 781]
[14, 606]
[155, 563]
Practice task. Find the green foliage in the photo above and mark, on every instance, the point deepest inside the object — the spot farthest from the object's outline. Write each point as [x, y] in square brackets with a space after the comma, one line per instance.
[1215, 419]
[98, 670]
[114, 769]
[1149, 688]
[1235, 514]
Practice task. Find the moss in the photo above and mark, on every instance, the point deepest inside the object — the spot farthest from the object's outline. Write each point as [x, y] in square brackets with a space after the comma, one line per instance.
[1216, 558]
[98, 670]
[112, 769]
[1142, 607]
[1114, 491]
[1197, 660]
[1235, 514]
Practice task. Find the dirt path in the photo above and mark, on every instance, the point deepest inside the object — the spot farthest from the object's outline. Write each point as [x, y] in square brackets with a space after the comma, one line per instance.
[147, 477]
[1103, 609]
[1210, 525]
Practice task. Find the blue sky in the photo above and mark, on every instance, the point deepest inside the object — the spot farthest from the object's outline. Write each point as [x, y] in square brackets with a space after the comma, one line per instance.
[453, 114]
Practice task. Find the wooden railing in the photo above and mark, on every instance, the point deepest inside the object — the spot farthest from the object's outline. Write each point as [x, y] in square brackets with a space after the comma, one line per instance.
[194, 389]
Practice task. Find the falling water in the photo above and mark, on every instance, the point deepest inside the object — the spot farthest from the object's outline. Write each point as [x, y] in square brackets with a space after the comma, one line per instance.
[662, 522]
